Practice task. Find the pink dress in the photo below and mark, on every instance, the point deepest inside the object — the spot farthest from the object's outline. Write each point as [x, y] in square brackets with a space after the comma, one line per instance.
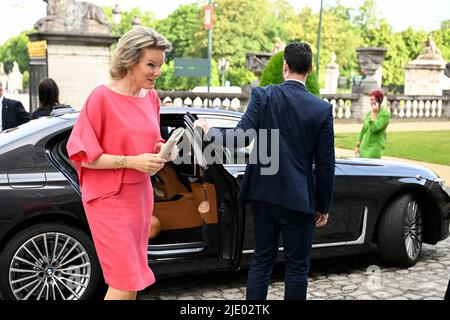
[118, 203]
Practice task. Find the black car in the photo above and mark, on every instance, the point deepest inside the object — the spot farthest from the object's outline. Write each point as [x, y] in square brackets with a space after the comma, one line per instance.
[46, 250]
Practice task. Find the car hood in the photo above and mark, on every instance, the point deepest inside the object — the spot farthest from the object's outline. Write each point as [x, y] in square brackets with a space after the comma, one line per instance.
[389, 167]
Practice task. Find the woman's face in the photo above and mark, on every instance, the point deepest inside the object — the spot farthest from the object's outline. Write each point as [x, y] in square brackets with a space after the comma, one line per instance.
[148, 68]
[374, 103]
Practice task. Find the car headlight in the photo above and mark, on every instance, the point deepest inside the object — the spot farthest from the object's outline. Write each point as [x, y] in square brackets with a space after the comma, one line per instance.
[440, 182]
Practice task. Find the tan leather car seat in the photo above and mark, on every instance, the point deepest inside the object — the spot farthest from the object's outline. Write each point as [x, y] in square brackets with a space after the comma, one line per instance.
[175, 206]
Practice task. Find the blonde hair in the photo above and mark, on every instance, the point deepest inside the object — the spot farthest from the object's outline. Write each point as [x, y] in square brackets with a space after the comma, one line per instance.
[131, 46]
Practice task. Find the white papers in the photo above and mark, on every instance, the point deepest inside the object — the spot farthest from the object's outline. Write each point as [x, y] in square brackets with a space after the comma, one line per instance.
[167, 147]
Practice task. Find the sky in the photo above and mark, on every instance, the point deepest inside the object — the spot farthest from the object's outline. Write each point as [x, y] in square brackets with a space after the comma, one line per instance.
[19, 15]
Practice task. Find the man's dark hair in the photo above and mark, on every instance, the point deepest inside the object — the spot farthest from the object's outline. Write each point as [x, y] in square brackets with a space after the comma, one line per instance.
[48, 94]
[298, 56]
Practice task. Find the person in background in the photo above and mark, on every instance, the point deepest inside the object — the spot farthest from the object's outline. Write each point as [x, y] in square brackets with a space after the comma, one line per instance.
[12, 112]
[372, 138]
[49, 100]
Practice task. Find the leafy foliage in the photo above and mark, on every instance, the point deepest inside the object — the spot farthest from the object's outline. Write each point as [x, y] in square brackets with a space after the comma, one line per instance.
[179, 27]
[273, 74]
[242, 26]
[15, 49]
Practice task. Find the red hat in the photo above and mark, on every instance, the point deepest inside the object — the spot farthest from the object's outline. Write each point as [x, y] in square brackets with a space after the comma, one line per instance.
[377, 94]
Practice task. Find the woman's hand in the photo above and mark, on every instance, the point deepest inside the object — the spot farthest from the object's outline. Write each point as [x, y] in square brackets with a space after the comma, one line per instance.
[173, 153]
[147, 162]
[158, 147]
[356, 152]
[203, 124]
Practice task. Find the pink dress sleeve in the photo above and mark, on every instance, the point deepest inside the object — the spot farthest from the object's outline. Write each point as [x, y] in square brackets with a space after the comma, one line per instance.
[83, 144]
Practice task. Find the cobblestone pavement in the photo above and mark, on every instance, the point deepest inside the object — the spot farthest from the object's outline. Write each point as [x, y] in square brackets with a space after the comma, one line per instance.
[345, 278]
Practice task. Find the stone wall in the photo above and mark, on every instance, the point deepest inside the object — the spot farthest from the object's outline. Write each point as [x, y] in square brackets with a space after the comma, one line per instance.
[77, 70]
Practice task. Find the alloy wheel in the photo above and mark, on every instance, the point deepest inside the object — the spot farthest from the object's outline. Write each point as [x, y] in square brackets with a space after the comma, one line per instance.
[50, 266]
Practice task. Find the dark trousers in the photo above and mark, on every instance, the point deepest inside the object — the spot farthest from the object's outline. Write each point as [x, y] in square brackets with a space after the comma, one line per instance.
[297, 230]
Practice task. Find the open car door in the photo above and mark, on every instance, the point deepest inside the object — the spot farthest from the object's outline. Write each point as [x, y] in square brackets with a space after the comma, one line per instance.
[230, 210]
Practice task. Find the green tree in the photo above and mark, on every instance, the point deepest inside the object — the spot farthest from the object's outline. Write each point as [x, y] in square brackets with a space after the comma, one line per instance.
[26, 80]
[273, 74]
[367, 16]
[15, 49]
[179, 28]
[413, 41]
[442, 39]
[236, 32]
[147, 20]
[397, 52]
[339, 35]
[342, 37]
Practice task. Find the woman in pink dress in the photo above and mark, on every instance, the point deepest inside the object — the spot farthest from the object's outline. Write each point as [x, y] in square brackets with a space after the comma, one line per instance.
[114, 146]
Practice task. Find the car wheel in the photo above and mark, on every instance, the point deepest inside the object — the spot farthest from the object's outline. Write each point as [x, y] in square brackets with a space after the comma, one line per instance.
[49, 261]
[400, 232]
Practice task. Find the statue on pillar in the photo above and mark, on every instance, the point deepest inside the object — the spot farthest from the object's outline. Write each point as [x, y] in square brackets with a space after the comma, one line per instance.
[431, 51]
[72, 16]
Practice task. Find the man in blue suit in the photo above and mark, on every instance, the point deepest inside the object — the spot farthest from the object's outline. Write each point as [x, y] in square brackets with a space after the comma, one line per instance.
[12, 112]
[293, 200]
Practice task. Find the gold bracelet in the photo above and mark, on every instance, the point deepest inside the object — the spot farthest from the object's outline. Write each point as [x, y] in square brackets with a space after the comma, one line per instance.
[120, 162]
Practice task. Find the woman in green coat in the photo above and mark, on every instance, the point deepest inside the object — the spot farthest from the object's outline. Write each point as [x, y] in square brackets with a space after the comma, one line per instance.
[372, 139]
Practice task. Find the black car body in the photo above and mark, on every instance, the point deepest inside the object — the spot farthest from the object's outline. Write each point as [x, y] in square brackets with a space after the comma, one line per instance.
[46, 251]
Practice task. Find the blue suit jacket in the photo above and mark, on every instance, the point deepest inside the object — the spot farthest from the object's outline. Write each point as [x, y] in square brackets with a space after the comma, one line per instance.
[13, 114]
[306, 136]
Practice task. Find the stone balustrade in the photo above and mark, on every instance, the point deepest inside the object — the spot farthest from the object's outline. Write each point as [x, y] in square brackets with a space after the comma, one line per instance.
[225, 101]
[419, 107]
[342, 104]
[346, 107]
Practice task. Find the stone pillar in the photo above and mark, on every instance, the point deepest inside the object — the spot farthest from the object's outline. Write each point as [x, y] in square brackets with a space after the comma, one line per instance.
[446, 93]
[71, 46]
[331, 76]
[77, 62]
[423, 78]
[370, 60]
[426, 74]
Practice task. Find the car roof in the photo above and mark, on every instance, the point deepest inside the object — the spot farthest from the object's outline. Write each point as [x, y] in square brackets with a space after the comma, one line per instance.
[173, 110]
[66, 120]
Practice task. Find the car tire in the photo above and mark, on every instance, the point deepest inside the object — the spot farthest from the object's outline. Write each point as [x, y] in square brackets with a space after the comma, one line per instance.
[32, 267]
[400, 232]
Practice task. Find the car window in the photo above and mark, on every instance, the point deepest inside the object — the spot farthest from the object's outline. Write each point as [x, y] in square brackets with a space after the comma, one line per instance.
[232, 156]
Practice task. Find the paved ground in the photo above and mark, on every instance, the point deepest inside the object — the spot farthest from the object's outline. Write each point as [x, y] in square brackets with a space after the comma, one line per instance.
[347, 278]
